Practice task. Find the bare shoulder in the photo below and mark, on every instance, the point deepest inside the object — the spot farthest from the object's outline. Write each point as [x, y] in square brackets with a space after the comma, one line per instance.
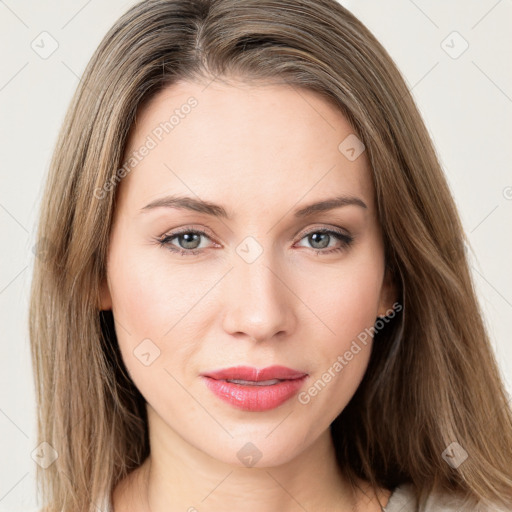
[404, 500]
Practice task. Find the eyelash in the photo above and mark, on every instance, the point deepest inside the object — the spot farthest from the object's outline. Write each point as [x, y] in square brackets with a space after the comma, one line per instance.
[346, 241]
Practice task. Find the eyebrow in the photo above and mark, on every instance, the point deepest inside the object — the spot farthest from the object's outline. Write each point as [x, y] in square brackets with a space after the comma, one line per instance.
[215, 210]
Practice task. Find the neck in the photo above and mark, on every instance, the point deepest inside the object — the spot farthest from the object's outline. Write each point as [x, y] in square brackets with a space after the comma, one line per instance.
[179, 477]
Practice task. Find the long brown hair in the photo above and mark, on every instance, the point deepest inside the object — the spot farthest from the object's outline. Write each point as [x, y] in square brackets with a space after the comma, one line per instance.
[432, 379]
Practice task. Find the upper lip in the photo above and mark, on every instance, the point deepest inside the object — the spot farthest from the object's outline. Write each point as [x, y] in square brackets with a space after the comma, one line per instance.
[254, 374]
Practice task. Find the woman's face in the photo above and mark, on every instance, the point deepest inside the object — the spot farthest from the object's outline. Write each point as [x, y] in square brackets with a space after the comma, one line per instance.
[252, 281]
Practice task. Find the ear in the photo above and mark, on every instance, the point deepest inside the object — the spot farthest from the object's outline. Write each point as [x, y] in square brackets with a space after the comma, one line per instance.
[388, 294]
[105, 298]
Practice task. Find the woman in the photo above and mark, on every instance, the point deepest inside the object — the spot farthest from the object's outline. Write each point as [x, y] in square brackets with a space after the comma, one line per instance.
[254, 291]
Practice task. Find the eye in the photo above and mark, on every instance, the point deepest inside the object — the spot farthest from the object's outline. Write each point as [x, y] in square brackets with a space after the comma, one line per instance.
[189, 241]
[321, 238]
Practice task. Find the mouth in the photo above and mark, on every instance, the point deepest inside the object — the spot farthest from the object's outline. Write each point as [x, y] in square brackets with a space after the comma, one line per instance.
[250, 389]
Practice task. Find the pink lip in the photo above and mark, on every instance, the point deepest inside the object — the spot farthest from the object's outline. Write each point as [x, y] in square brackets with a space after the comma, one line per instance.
[251, 373]
[255, 397]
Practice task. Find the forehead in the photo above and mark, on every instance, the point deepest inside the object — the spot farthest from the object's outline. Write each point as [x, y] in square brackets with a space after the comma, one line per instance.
[241, 142]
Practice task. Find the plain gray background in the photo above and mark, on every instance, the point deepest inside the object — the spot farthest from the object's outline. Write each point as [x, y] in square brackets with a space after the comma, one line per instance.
[464, 94]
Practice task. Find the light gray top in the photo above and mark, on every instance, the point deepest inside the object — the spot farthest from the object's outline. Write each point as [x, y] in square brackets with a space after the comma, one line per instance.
[403, 500]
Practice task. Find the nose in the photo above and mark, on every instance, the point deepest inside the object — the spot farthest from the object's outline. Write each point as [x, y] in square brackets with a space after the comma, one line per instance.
[257, 301]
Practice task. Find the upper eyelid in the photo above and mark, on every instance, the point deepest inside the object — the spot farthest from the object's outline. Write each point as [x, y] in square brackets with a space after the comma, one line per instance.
[186, 229]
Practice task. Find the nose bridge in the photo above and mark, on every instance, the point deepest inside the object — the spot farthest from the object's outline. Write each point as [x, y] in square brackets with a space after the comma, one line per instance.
[257, 301]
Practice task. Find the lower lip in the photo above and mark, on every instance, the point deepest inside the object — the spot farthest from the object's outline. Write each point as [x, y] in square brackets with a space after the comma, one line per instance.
[255, 398]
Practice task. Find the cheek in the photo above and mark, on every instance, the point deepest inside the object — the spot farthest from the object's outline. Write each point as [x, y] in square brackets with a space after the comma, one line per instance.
[344, 298]
[148, 309]
[155, 307]
[140, 300]
[149, 297]
[341, 357]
